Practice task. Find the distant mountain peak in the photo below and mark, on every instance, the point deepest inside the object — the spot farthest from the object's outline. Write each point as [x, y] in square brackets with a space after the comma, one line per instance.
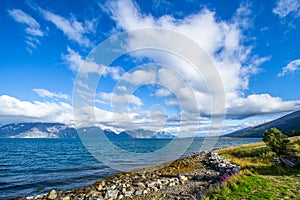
[142, 133]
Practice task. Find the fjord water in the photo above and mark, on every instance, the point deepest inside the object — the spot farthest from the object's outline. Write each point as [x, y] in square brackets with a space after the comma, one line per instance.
[33, 166]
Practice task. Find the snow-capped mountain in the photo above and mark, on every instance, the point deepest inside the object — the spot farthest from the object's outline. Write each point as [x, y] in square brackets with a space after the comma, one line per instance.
[37, 130]
[58, 130]
[141, 133]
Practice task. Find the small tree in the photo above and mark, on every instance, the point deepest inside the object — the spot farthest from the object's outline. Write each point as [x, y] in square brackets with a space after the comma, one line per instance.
[276, 141]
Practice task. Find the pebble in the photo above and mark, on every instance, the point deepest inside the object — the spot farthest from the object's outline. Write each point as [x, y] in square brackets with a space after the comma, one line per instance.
[138, 192]
[139, 184]
[113, 187]
[183, 178]
[101, 185]
[93, 193]
[52, 194]
[111, 194]
[127, 193]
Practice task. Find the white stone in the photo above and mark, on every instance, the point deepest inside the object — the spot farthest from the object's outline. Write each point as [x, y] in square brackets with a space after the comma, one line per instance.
[52, 194]
[138, 192]
[111, 194]
[127, 193]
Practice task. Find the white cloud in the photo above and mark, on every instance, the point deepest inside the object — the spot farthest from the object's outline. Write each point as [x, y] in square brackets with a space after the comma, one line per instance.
[257, 104]
[33, 27]
[114, 72]
[72, 28]
[73, 59]
[122, 88]
[39, 111]
[22, 17]
[162, 92]
[139, 76]
[34, 32]
[15, 110]
[77, 64]
[202, 28]
[286, 7]
[118, 99]
[48, 94]
[224, 42]
[176, 84]
[290, 68]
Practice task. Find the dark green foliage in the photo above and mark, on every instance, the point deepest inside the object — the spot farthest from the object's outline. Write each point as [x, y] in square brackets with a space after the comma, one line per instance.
[277, 141]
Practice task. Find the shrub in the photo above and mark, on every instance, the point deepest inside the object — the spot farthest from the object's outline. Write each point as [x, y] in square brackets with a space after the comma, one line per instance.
[277, 141]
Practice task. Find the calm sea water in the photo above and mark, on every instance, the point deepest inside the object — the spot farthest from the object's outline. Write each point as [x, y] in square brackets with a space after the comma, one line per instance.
[34, 166]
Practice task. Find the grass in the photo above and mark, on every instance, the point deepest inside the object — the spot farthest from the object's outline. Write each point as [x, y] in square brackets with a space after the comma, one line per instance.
[251, 186]
[260, 179]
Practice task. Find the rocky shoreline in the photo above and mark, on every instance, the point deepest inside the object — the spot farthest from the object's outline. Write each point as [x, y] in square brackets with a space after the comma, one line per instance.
[185, 178]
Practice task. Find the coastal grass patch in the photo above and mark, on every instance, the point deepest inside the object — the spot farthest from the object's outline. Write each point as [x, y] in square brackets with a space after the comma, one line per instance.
[259, 158]
[260, 178]
[256, 155]
[252, 186]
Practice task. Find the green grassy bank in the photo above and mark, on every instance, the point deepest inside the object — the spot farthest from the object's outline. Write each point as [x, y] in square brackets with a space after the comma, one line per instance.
[259, 179]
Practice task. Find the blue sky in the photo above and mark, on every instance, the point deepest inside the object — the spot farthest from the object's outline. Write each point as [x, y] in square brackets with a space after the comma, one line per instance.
[254, 46]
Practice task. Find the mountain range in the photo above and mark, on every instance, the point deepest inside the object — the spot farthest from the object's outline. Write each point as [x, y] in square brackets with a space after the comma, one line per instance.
[128, 134]
[37, 130]
[58, 130]
[288, 124]
[141, 133]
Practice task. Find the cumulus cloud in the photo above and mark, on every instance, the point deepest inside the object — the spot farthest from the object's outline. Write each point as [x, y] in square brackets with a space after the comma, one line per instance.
[39, 111]
[72, 28]
[33, 29]
[225, 44]
[47, 94]
[16, 110]
[13, 110]
[290, 68]
[257, 104]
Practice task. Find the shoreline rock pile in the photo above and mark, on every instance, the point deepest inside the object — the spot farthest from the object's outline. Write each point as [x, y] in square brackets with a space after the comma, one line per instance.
[185, 178]
[221, 164]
